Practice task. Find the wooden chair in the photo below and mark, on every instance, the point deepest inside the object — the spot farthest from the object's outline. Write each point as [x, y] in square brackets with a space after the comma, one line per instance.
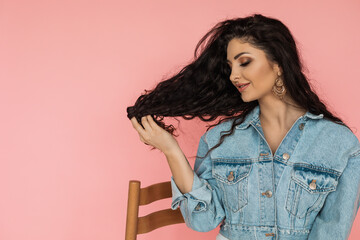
[142, 196]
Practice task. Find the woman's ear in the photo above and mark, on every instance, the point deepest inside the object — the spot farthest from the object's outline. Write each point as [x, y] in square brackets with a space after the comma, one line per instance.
[277, 68]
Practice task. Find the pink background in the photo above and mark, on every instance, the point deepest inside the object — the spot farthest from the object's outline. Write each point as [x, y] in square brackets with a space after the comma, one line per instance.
[68, 71]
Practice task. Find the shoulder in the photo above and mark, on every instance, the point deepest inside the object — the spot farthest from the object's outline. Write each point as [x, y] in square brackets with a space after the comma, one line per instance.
[330, 132]
[215, 132]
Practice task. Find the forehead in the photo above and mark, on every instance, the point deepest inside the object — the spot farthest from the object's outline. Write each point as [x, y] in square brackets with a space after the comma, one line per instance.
[236, 46]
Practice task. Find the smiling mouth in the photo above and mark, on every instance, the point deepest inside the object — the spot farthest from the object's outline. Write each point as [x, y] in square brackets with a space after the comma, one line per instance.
[242, 85]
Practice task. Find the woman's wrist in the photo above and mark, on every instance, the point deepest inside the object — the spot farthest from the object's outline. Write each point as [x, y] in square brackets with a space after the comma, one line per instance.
[174, 151]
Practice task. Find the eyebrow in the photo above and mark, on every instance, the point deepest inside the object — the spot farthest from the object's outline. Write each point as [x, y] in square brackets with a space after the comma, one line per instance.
[238, 55]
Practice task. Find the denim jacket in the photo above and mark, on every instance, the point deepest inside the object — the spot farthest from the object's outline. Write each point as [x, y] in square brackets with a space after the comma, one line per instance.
[309, 189]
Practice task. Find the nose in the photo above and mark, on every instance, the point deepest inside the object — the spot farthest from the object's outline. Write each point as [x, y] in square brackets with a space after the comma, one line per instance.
[235, 75]
[234, 78]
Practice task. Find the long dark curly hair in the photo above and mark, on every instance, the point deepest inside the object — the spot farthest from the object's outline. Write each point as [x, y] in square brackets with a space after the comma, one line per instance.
[203, 89]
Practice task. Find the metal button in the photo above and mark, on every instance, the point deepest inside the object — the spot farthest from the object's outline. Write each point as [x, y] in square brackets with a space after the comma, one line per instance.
[312, 185]
[301, 126]
[231, 176]
[286, 156]
[268, 193]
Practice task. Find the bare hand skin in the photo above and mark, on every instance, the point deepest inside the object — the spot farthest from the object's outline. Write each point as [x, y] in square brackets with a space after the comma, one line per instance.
[154, 135]
[159, 138]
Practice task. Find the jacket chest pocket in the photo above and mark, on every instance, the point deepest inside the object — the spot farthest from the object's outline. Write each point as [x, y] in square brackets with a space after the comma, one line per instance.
[308, 189]
[232, 178]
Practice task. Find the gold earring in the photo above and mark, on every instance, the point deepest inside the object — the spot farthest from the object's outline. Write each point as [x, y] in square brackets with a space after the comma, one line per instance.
[279, 88]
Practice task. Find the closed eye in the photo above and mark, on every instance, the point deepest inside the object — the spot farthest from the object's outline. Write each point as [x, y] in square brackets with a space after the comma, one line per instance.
[244, 64]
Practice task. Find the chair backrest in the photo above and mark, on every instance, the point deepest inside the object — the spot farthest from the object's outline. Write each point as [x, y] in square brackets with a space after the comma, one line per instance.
[142, 196]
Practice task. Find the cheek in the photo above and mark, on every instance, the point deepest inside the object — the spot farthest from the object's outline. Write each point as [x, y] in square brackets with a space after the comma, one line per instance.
[260, 76]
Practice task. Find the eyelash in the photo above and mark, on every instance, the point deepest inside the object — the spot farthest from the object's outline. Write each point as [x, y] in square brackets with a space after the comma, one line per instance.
[244, 64]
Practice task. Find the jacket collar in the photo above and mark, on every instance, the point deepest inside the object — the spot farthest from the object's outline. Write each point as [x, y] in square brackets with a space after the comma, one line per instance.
[254, 116]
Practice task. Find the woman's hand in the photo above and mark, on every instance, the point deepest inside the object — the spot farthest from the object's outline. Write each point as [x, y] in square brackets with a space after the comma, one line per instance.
[159, 138]
[154, 135]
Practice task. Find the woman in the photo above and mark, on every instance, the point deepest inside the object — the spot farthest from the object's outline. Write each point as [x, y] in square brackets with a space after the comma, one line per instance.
[278, 164]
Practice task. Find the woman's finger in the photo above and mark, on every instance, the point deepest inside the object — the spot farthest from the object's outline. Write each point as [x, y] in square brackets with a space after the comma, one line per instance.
[143, 140]
[137, 126]
[145, 123]
[151, 121]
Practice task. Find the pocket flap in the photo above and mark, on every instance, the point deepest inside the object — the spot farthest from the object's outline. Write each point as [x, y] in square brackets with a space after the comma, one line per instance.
[315, 180]
[231, 171]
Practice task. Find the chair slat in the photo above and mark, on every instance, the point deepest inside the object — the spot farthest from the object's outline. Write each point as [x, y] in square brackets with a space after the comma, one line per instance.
[155, 192]
[159, 219]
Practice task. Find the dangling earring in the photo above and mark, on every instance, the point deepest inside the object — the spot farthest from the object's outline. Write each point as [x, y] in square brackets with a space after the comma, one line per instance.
[279, 88]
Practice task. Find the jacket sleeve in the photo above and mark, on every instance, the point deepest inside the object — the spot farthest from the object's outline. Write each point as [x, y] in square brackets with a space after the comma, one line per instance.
[201, 207]
[336, 218]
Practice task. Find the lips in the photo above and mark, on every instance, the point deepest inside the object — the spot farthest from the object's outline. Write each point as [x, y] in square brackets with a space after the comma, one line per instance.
[241, 85]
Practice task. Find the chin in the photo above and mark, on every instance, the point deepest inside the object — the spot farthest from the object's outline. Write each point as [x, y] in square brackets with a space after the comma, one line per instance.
[247, 99]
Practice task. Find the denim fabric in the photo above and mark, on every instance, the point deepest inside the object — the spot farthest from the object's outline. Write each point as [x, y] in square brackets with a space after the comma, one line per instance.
[309, 189]
[220, 237]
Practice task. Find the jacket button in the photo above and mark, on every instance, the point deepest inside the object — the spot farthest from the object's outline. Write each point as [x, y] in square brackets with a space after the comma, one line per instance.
[268, 193]
[286, 156]
[231, 176]
[301, 126]
[312, 185]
